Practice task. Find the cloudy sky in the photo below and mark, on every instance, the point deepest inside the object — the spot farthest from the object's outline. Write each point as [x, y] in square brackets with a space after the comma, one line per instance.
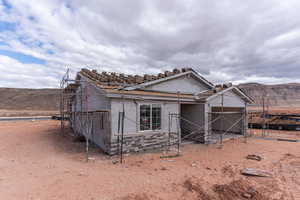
[225, 40]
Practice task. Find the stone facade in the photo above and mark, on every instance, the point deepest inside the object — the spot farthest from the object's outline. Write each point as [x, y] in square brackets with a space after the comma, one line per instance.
[143, 142]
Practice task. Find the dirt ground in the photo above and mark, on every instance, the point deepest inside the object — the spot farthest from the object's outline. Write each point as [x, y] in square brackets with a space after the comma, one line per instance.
[38, 163]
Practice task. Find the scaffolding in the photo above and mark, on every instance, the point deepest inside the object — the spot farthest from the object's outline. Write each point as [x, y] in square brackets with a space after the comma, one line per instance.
[75, 115]
[264, 104]
[200, 133]
[210, 135]
[236, 127]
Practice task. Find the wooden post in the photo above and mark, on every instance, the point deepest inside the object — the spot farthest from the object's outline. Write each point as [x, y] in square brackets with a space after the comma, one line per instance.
[245, 121]
[178, 122]
[264, 120]
[222, 117]
[122, 130]
[87, 122]
[169, 132]
[119, 128]
[207, 123]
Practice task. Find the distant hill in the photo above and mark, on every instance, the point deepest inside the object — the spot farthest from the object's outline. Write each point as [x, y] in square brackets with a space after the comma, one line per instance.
[277, 95]
[48, 99]
[29, 99]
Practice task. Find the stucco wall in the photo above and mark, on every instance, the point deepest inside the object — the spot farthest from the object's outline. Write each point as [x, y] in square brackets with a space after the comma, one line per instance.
[183, 84]
[193, 113]
[96, 101]
[230, 99]
[96, 98]
[228, 121]
[131, 122]
[100, 128]
[134, 139]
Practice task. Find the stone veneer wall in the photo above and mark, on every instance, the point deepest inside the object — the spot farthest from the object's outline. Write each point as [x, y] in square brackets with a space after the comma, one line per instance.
[143, 142]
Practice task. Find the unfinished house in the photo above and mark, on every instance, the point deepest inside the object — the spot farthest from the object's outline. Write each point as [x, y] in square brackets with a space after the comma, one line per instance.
[153, 111]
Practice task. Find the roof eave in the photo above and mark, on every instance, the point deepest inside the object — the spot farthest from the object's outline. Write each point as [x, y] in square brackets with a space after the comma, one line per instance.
[244, 97]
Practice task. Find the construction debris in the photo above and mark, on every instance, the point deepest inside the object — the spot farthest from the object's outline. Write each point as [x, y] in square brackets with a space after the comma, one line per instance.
[255, 172]
[254, 157]
[170, 156]
[287, 140]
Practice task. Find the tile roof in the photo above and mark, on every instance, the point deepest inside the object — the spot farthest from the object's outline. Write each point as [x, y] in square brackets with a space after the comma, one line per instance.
[119, 80]
[218, 88]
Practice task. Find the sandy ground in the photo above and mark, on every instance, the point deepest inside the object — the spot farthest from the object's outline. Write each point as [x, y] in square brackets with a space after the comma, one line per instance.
[37, 162]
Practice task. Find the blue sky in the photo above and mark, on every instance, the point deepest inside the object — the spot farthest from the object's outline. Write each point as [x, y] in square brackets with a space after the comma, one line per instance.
[7, 26]
[23, 58]
[226, 41]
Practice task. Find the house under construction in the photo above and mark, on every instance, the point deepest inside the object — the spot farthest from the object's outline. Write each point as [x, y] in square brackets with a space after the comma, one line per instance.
[151, 111]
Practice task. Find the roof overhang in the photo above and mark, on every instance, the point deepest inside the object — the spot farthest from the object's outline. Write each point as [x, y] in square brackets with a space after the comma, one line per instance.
[137, 94]
[240, 93]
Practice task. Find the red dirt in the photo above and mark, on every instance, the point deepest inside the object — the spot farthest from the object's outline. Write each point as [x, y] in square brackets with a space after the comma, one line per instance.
[37, 162]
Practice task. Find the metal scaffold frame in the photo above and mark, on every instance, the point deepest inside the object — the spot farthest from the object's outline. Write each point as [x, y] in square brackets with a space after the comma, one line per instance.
[264, 104]
[197, 135]
[79, 116]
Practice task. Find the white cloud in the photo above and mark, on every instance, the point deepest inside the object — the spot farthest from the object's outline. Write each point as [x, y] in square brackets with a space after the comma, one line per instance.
[14, 73]
[227, 40]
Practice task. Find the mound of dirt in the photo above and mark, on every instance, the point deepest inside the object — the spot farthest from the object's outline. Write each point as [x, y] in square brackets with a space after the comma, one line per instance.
[195, 186]
[197, 189]
[239, 189]
[139, 197]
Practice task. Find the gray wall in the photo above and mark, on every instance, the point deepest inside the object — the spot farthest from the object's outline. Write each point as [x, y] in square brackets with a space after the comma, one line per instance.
[193, 113]
[96, 98]
[96, 101]
[131, 122]
[227, 122]
[101, 129]
[230, 99]
[185, 84]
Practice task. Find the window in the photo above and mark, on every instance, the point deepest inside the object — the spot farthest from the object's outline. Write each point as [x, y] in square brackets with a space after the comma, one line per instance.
[150, 117]
[156, 117]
